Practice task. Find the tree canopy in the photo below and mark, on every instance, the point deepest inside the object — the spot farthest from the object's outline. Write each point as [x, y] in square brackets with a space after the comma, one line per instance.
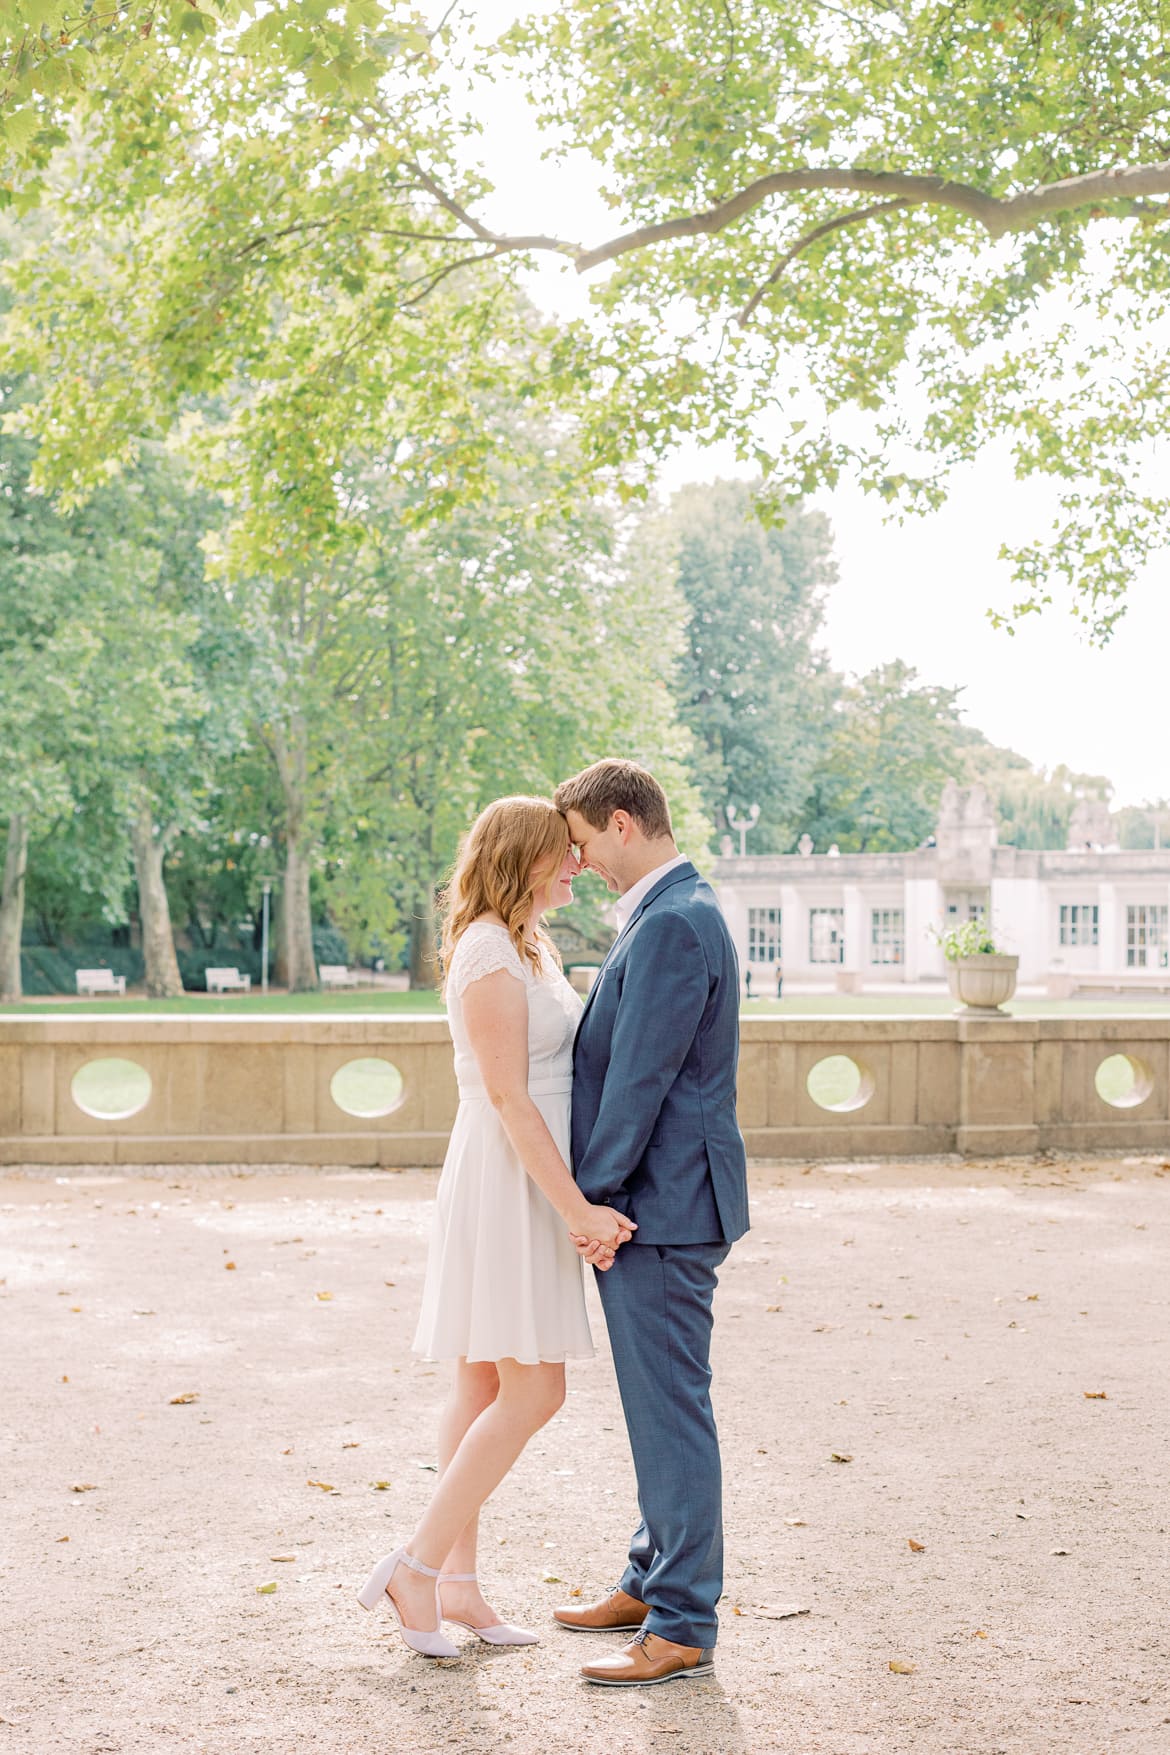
[850, 238]
[753, 688]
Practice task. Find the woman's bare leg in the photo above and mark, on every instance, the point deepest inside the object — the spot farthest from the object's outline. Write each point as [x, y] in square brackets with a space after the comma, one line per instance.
[474, 1387]
[527, 1397]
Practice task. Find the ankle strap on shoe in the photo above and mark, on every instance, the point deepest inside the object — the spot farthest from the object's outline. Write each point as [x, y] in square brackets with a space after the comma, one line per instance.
[457, 1578]
[417, 1565]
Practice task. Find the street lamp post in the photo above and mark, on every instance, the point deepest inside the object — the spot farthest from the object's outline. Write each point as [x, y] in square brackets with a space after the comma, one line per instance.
[742, 824]
[267, 888]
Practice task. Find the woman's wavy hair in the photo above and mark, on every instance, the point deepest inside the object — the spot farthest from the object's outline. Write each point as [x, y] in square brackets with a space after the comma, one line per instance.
[493, 873]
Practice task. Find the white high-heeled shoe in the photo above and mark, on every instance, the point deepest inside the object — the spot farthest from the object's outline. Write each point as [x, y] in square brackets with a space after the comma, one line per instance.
[499, 1633]
[428, 1641]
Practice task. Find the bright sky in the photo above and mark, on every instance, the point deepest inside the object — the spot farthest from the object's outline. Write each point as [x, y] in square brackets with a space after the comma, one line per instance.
[919, 592]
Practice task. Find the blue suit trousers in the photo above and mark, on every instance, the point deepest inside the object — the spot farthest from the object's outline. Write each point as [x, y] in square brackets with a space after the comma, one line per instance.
[657, 1303]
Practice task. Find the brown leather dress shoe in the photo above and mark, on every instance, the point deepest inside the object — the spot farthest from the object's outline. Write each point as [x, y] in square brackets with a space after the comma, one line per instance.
[615, 1613]
[648, 1659]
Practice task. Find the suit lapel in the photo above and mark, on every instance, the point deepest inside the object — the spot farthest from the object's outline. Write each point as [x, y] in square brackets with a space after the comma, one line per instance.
[664, 883]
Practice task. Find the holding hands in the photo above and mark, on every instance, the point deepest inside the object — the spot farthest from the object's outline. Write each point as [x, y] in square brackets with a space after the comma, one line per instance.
[599, 1234]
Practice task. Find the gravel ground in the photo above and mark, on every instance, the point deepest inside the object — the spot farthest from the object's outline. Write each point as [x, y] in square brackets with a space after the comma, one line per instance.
[942, 1391]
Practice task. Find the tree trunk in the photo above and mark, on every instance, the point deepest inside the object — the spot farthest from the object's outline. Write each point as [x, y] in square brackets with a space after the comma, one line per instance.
[163, 980]
[300, 963]
[12, 907]
[424, 961]
[292, 760]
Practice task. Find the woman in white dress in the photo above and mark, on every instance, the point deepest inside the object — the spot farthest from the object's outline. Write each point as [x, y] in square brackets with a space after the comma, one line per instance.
[504, 1296]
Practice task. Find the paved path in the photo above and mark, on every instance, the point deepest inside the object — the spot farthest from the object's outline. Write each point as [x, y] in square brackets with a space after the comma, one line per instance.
[941, 1326]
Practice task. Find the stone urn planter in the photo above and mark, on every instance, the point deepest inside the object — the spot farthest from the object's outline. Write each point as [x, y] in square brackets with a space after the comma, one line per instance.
[983, 982]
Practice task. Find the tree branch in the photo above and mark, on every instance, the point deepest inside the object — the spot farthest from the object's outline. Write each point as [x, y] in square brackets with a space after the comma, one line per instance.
[809, 238]
[998, 215]
[502, 242]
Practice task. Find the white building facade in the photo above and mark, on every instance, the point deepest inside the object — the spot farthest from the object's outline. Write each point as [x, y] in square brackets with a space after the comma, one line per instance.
[1091, 917]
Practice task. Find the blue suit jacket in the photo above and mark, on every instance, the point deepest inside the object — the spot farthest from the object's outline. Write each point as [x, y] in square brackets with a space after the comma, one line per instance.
[654, 1125]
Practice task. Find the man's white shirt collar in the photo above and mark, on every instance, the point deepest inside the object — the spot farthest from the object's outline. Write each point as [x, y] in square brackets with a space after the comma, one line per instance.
[625, 905]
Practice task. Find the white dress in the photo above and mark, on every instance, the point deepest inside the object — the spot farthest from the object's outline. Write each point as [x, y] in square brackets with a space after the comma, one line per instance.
[503, 1279]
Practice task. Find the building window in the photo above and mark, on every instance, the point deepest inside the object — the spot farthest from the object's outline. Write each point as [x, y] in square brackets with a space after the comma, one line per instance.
[1145, 936]
[764, 935]
[1078, 923]
[965, 905]
[826, 935]
[887, 935]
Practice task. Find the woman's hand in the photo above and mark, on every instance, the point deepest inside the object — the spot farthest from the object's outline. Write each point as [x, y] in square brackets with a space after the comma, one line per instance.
[602, 1233]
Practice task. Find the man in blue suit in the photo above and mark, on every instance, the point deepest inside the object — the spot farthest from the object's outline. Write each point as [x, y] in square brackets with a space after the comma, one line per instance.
[655, 1135]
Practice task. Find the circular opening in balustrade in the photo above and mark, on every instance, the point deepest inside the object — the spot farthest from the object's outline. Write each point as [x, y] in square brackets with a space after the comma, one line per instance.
[839, 1083]
[367, 1088]
[111, 1089]
[1123, 1081]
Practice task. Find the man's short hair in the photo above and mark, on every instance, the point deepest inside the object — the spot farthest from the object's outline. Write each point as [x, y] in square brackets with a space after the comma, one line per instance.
[596, 792]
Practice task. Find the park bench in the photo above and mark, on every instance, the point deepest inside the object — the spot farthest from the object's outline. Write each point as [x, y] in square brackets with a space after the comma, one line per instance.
[227, 981]
[100, 981]
[337, 975]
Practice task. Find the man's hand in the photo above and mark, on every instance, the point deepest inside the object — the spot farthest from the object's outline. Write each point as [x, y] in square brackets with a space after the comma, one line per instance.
[604, 1232]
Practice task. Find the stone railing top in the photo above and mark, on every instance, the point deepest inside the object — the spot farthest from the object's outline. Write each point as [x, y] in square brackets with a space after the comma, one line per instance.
[345, 1028]
[221, 1027]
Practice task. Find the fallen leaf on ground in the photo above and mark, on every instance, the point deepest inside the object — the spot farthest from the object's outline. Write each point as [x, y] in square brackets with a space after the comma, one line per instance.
[379, 1486]
[230, 1265]
[62, 1538]
[84, 1487]
[550, 1578]
[901, 1668]
[795, 1523]
[916, 1547]
[1058, 1550]
[324, 1297]
[778, 1611]
[352, 1444]
[275, 1557]
[979, 1633]
[188, 1395]
[772, 1308]
[840, 1456]
[325, 1486]
[265, 1590]
[387, 1282]
[1095, 1395]
[64, 1380]
[575, 1592]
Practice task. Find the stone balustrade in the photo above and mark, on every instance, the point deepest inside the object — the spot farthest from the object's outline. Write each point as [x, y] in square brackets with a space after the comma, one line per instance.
[379, 1090]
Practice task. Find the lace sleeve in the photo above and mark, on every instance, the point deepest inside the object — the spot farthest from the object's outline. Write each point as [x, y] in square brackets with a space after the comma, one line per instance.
[480, 953]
